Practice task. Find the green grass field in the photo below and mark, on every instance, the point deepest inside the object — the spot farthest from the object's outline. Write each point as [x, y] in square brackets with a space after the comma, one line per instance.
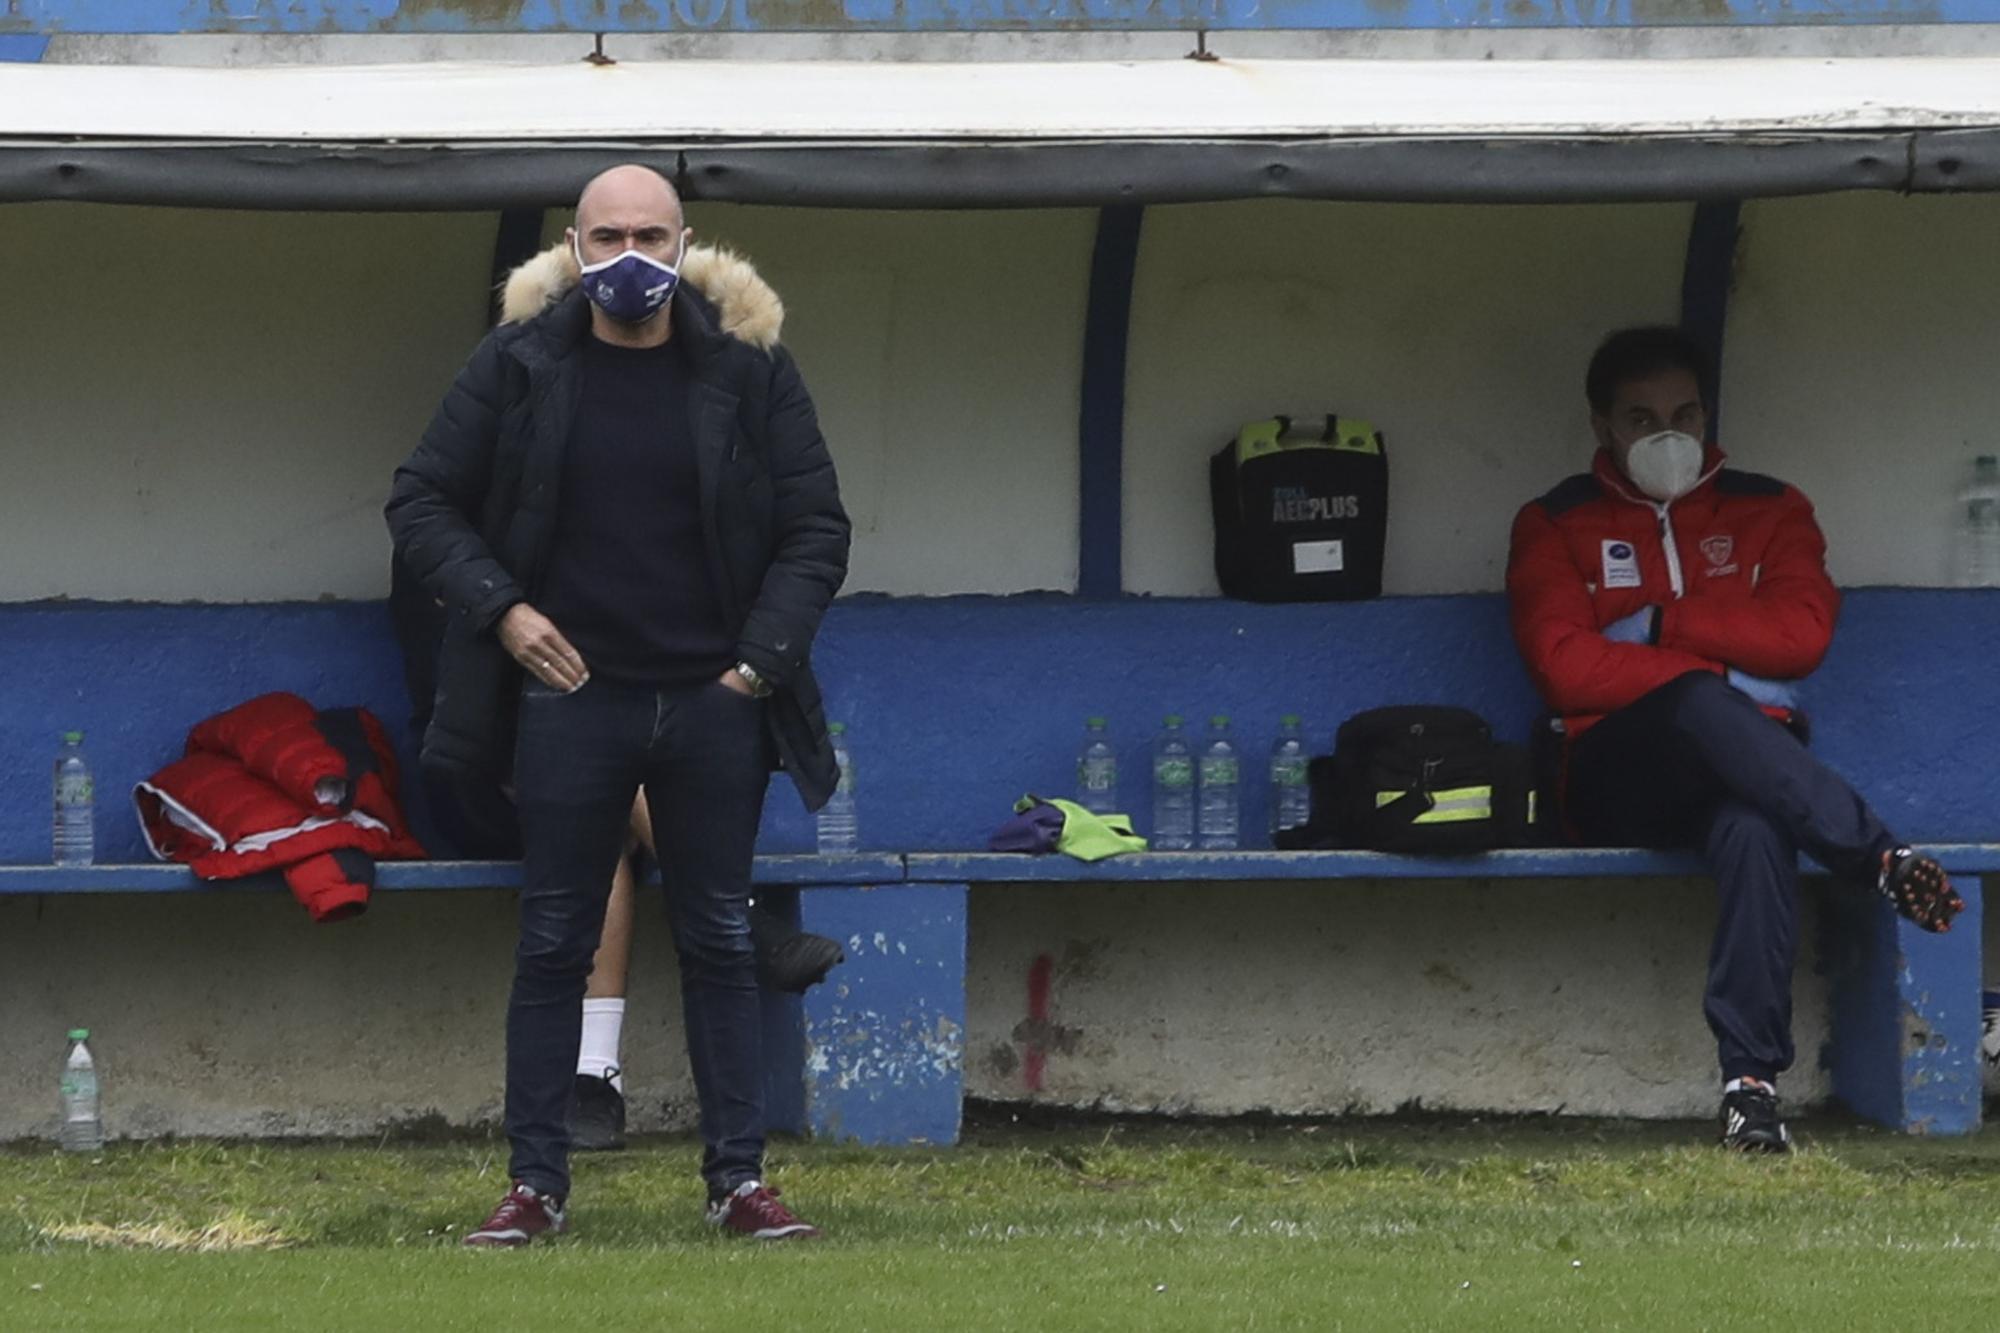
[1463, 1224]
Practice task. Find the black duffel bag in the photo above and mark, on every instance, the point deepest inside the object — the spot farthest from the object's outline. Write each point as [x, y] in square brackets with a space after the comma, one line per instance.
[1419, 778]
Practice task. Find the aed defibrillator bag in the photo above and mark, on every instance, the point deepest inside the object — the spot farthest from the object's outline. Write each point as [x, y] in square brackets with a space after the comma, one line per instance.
[1301, 515]
[1418, 778]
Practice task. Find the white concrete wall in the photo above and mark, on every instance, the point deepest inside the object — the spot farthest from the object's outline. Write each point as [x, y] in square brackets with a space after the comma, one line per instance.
[1462, 333]
[225, 395]
[943, 351]
[937, 343]
[208, 405]
[1857, 363]
[234, 1014]
[1860, 366]
[233, 441]
[1513, 996]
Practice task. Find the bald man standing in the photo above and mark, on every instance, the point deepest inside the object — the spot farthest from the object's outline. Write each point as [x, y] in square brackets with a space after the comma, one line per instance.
[627, 505]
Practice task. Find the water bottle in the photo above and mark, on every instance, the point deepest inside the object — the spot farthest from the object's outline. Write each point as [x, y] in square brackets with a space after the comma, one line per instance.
[838, 831]
[82, 1128]
[75, 802]
[1291, 801]
[1220, 812]
[1173, 790]
[1979, 527]
[1097, 770]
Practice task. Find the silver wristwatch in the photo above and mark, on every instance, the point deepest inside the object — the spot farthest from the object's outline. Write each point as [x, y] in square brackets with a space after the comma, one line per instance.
[759, 687]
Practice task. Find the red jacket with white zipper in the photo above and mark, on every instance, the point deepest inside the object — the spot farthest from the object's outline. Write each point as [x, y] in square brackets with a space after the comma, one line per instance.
[276, 784]
[1737, 567]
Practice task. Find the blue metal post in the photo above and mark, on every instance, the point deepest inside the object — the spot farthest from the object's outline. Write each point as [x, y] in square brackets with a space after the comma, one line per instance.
[885, 1034]
[517, 240]
[1101, 419]
[1906, 1013]
[1706, 277]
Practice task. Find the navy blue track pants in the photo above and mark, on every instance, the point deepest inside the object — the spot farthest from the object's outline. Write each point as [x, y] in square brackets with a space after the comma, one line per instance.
[1697, 763]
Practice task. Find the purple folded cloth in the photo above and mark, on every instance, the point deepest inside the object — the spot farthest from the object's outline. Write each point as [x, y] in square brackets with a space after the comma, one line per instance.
[1036, 831]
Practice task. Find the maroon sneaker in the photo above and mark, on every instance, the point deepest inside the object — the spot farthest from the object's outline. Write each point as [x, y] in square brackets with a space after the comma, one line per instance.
[753, 1210]
[521, 1216]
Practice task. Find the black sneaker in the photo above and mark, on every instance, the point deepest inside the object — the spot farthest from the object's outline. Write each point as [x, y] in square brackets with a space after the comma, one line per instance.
[1750, 1120]
[790, 960]
[1918, 888]
[596, 1115]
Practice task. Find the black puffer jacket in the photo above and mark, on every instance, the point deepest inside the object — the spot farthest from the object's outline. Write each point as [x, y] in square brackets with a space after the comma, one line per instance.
[473, 510]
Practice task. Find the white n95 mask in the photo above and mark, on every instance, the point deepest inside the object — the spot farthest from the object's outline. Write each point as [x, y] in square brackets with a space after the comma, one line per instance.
[1665, 465]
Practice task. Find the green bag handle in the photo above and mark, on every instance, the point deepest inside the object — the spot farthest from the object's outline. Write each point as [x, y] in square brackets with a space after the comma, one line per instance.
[1273, 435]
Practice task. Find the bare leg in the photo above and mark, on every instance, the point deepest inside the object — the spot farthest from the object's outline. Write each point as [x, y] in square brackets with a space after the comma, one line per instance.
[642, 824]
[613, 963]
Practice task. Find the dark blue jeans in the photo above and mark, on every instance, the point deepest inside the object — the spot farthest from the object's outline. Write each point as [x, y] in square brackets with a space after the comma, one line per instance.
[1697, 763]
[701, 754]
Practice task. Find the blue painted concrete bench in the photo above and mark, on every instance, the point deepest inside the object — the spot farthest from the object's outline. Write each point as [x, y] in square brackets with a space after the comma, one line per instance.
[958, 705]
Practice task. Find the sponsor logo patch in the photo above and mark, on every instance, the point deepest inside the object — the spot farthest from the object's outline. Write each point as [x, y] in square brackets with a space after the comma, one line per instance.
[1621, 565]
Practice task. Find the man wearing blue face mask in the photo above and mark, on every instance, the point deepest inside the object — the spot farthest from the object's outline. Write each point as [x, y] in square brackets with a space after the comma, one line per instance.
[1668, 608]
[626, 504]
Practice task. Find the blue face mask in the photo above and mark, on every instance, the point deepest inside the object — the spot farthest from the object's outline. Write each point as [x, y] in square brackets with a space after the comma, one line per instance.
[631, 287]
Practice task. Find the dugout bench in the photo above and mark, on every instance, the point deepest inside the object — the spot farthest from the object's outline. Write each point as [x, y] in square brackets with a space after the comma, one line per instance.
[958, 705]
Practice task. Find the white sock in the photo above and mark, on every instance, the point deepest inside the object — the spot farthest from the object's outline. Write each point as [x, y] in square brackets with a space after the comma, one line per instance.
[1733, 1084]
[598, 1055]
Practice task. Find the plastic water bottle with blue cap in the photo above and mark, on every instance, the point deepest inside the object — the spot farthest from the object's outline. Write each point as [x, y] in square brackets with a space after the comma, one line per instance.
[75, 804]
[1221, 783]
[839, 829]
[82, 1126]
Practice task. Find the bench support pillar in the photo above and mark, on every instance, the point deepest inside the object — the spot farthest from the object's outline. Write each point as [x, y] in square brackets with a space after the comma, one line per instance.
[1906, 1010]
[882, 1040]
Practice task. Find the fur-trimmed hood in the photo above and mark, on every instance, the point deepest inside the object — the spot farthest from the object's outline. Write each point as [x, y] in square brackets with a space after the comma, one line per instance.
[746, 307]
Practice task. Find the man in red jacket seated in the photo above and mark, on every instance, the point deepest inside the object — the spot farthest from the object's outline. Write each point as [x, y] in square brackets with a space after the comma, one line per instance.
[1668, 608]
